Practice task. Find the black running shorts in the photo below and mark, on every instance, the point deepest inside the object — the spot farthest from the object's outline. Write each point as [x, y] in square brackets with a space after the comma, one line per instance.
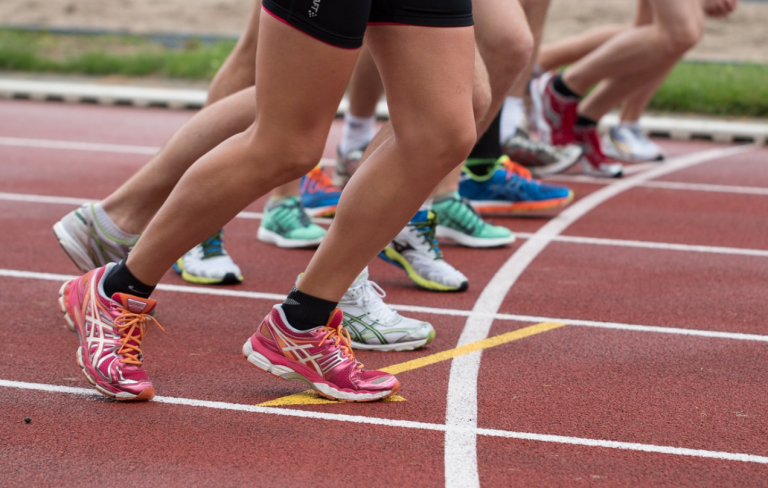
[342, 22]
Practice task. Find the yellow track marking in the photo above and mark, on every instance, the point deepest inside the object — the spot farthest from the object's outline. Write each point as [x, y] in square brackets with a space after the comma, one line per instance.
[309, 397]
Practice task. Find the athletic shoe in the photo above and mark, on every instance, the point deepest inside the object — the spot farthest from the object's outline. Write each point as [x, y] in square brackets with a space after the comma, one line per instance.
[508, 187]
[320, 357]
[87, 243]
[346, 165]
[416, 251]
[111, 331]
[286, 224]
[555, 114]
[627, 142]
[594, 161]
[318, 195]
[458, 221]
[209, 264]
[374, 326]
[540, 158]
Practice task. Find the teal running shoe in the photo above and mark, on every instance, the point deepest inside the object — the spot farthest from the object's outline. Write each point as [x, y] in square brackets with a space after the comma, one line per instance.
[286, 224]
[458, 221]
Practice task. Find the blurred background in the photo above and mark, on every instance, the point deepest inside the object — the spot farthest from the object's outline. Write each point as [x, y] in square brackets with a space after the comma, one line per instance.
[183, 42]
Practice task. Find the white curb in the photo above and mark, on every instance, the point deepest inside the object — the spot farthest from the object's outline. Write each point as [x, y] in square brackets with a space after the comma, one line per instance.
[684, 128]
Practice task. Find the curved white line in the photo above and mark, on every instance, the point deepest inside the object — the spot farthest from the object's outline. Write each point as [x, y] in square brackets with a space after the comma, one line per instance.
[461, 410]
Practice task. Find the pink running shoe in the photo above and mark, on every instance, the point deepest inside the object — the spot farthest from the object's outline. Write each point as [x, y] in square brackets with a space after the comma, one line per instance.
[321, 358]
[555, 114]
[594, 161]
[111, 332]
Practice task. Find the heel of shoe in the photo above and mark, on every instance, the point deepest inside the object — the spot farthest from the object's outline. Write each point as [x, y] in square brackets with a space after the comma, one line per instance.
[63, 301]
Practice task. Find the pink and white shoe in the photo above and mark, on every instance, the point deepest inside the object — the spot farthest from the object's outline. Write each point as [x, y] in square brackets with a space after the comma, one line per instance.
[320, 357]
[554, 113]
[111, 332]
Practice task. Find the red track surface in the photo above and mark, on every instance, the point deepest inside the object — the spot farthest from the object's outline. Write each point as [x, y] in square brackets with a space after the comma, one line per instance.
[598, 384]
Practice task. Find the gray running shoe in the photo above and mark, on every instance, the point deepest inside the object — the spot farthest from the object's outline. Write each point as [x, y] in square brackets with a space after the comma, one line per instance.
[346, 165]
[540, 158]
[86, 243]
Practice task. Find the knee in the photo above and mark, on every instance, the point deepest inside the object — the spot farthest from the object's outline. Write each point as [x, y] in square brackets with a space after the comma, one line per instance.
[506, 56]
[683, 36]
[289, 161]
[446, 144]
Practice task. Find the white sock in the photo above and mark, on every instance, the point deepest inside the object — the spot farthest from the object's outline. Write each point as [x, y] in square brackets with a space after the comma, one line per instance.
[109, 226]
[357, 132]
[511, 117]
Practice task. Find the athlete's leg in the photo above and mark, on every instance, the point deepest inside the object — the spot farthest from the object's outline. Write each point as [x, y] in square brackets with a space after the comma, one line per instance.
[677, 27]
[428, 75]
[556, 54]
[248, 165]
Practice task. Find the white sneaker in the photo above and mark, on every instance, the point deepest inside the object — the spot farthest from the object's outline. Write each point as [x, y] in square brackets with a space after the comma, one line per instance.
[627, 142]
[416, 251]
[209, 264]
[88, 244]
[372, 325]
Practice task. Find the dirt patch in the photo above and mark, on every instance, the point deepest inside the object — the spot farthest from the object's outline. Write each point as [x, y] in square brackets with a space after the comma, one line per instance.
[741, 37]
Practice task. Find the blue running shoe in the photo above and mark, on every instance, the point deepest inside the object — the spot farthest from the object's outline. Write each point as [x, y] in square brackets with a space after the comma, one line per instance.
[318, 195]
[508, 187]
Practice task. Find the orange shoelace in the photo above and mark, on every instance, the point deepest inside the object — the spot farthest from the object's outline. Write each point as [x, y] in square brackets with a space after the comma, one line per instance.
[127, 323]
[323, 179]
[516, 168]
[341, 339]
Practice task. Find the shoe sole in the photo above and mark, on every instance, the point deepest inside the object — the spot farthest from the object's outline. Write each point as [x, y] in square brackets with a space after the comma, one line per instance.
[588, 170]
[393, 257]
[63, 303]
[261, 362]
[73, 248]
[265, 235]
[396, 347]
[554, 168]
[502, 206]
[227, 279]
[470, 241]
[327, 211]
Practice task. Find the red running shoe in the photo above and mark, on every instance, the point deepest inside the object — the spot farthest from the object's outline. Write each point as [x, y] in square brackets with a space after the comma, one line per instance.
[554, 113]
[594, 161]
[321, 357]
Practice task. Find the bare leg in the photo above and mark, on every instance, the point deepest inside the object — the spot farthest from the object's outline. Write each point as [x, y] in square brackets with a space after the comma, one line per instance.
[247, 165]
[535, 13]
[566, 51]
[428, 76]
[365, 88]
[676, 28]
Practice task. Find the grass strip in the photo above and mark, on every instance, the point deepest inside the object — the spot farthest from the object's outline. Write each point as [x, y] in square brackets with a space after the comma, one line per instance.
[729, 89]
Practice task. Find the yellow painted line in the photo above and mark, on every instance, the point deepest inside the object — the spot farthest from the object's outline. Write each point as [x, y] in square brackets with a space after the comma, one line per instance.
[309, 397]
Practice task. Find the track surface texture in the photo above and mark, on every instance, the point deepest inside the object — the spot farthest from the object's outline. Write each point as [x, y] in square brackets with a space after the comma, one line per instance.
[651, 372]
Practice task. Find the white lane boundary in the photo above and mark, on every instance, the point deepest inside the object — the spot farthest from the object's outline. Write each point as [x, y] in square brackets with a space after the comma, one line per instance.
[461, 410]
[77, 146]
[256, 295]
[73, 92]
[407, 424]
[666, 246]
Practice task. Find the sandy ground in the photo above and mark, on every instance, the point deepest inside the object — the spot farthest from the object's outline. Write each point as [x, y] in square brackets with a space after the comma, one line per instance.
[743, 36]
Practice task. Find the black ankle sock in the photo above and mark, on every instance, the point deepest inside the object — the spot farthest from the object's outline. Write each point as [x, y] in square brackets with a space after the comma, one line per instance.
[121, 280]
[561, 88]
[489, 144]
[305, 312]
[585, 122]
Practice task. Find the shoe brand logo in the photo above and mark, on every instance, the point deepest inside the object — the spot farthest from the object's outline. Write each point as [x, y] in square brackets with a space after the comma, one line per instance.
[314, 8]
[135, 305]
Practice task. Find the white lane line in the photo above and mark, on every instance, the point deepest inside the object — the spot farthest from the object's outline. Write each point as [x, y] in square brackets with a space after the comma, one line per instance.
[663, 246]
[674, 185]
[256, 295]
[406, 424]
[28, 198]
[77, 146]
[461, 410]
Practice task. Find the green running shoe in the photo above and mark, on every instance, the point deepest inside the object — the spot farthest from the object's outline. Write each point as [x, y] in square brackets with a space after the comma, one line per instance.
[286, 224]
[458, 221]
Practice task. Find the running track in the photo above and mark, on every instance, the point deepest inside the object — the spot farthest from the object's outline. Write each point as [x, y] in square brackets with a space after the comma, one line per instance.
[657, 377]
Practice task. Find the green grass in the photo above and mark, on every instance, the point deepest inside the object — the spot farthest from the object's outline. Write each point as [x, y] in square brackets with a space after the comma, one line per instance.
[715, 89]
[108, 55]
[703, 88]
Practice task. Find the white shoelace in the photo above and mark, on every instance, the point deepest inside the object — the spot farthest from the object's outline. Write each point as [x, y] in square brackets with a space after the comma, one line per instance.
[371, 297]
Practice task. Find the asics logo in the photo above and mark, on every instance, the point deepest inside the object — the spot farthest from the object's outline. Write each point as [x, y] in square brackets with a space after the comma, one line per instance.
[314, 8]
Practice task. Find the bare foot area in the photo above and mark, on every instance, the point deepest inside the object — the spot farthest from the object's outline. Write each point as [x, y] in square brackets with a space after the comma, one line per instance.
[741, 37]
